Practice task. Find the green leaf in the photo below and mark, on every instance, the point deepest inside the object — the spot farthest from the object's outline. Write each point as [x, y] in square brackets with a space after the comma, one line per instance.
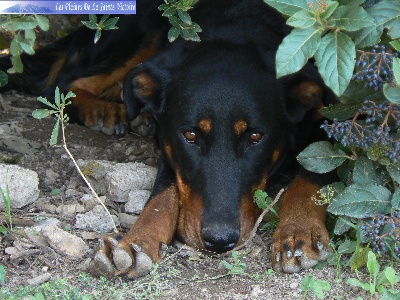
[319, 286]
[350, 18]
[341, 226]
[17, 67]
[169, 12]
[386, 13]
[173, 34]
[340, 111]
[93, 18]
[390, 295]
[111, 23]
[394, 171]
[396, 70]
[15, 48]
[103, 18]
[356, 201]
[184, 16]
[30, 35]
[54, 134]
[190, 34]
[395, 45]
[21, 23]
[396, 199]
[295, 50]
[347, 247]
[288, 7]
[365, 172]
[358, 283]
[367, 36]
[41, 113]
[46, 102]
[3, 78]
[97, 36]
[391, 276]
[57, 99]
[332, 5]
[321, 157]
[90, 25]
[372, 264]
[351, 2]
[43, 22]
[27, 45]
[335, 59]
[392, 93]
[302, 19]
[355, 92]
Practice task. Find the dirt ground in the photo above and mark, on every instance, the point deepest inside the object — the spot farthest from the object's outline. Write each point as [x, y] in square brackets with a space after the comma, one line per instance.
[184, 273]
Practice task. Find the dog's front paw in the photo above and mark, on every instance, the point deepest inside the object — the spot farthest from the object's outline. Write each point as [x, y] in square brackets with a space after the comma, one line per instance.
[108, 117]
[122, 258]
[299, 245]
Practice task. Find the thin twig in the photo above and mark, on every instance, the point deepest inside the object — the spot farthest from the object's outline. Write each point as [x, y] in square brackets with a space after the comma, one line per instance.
[259, 220]
[80, 172]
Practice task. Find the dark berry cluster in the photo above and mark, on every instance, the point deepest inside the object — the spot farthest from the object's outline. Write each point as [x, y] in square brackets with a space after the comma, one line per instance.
[383, 232]
[376, 131]
[375, 67]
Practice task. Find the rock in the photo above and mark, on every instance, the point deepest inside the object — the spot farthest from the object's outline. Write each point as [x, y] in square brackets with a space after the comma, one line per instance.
[38, 226]
[96, 220]
[117, 180]
[64, 242]
[70, 210]
[136, 201]
[51, 177]
[22, 184]
[127, 220]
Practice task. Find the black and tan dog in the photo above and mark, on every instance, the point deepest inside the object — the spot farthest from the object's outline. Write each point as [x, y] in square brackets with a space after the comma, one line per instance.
[225, 125]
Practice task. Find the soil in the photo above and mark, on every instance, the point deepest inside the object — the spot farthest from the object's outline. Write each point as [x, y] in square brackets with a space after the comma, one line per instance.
[183, 274]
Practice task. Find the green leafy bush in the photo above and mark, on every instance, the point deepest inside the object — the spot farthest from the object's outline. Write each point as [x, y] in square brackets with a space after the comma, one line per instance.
[342, 36]
[24, 38]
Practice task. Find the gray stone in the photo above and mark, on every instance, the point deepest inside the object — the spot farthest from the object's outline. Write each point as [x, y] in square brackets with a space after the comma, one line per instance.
[127, 220]
[22, 184]
[96, 220]
[136, 201]
[64, 242]
[69, 210]
[117, 180]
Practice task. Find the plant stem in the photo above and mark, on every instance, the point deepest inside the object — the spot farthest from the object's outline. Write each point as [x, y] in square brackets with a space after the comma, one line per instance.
[61, 119]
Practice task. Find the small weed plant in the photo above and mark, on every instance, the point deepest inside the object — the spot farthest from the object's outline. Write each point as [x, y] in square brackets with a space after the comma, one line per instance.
[379, 282]
[318, 287]
[105, 23]
[57, 110]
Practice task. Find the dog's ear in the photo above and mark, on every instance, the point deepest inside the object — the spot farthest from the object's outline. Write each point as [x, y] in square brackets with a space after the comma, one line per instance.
[143, 90]
[305, 91]
[303, 97]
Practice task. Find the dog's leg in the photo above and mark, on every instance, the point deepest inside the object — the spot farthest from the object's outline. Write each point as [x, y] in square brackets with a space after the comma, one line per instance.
[143, 245]
[301, 239]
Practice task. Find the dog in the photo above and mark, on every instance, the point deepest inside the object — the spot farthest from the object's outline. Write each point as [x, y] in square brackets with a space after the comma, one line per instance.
[225, 124]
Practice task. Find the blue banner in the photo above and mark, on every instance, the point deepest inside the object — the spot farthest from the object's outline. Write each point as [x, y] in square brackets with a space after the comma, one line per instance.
[68, 7]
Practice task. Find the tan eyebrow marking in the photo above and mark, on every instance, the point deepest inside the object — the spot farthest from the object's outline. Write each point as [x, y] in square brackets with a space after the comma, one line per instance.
[205, 125]
[240, 127]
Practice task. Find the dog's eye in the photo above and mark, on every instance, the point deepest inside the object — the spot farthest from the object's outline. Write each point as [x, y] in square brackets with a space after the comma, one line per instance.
[190, 136]
[255, 138]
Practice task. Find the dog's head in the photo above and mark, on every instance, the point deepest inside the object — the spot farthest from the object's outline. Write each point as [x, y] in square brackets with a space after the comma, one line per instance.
[225, 124]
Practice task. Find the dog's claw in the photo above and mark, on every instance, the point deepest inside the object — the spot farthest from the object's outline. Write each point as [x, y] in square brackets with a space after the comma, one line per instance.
[143, 261]
[122, 260]
[163, 250]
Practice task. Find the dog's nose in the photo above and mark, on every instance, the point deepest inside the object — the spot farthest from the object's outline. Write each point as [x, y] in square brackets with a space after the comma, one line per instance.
[219, 238]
